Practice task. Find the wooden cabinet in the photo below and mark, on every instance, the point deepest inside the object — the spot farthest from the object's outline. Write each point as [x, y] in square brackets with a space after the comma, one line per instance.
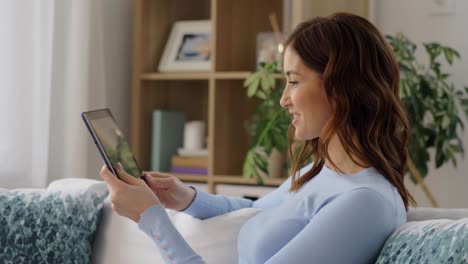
[216, 96]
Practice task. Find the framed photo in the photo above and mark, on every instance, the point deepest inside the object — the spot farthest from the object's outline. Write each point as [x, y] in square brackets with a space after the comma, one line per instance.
[188, 47]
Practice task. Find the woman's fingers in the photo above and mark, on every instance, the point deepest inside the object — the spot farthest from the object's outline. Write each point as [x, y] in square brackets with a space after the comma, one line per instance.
[156, 174]
[125, 177]
[158, 183]
[109, 178]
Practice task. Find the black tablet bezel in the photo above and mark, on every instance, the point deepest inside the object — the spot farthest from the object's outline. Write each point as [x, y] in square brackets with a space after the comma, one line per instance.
[97, 114]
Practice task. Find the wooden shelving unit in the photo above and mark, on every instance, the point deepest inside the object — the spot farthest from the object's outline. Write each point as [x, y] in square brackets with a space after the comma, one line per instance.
[216, 96]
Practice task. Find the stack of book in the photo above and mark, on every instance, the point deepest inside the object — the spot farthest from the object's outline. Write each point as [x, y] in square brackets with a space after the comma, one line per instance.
[189, 165]
[167, 137]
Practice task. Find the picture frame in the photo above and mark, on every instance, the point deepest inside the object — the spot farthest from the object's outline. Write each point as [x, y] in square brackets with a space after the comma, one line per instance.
[188, 47]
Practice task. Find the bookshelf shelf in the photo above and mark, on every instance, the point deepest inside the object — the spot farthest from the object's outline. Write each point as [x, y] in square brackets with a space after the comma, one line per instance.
[190, 177]
[175, 76]
[226, 179]
[216, 97]
[240, 180]
[231, 75]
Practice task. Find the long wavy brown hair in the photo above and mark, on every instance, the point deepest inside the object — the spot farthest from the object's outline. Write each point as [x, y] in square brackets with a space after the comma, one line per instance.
[361, 78]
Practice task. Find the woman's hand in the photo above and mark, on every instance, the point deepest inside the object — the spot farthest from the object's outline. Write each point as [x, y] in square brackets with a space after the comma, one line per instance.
[172, 193]
[129, 196]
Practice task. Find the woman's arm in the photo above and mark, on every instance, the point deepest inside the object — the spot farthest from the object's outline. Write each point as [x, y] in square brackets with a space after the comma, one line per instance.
[206, 205]
[352, 228]
[172, 246]
[132, 198]
[174, 194]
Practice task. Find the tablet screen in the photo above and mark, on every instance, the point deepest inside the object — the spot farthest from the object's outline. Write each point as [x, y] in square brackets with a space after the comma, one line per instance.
[113, 141]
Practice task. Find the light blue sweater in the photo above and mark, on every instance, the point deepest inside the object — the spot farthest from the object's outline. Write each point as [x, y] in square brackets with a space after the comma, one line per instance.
[334, 218]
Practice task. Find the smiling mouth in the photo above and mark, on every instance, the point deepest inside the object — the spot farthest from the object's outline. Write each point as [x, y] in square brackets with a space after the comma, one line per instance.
[295, 118]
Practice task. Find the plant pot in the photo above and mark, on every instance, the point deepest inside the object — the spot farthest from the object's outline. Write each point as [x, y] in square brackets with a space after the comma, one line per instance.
[276, 162]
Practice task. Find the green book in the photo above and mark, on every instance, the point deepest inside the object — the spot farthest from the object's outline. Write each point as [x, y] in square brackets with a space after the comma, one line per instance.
[167, 137]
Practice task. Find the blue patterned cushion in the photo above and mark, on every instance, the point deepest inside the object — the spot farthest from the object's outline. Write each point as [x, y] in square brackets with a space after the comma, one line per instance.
[53, 225]
[431, 241]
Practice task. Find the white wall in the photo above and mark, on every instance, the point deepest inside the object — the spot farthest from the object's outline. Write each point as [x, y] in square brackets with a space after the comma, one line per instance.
[416, 20]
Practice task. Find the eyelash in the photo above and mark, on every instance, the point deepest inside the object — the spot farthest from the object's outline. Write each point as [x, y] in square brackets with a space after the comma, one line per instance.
[293, 83]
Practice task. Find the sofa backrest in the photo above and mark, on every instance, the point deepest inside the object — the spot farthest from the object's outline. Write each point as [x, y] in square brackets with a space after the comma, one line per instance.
[426, 213]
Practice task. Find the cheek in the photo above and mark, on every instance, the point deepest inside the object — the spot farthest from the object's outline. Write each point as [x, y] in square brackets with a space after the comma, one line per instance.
[315, 112]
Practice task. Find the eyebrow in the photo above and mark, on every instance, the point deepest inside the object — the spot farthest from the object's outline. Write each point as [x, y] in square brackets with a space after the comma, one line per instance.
[288, 73]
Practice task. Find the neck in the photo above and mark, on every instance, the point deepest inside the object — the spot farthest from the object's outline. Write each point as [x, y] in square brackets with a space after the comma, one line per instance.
[341, 158]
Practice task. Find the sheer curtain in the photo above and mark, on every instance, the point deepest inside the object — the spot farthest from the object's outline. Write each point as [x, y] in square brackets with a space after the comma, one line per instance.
[57, 59]
[25, 70]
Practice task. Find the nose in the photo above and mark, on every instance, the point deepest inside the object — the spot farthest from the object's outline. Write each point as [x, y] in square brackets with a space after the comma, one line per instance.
[285, 100]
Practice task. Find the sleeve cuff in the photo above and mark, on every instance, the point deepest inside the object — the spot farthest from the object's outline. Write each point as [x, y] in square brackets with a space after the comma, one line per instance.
[155, 222]
[199, 204]
[193, 199]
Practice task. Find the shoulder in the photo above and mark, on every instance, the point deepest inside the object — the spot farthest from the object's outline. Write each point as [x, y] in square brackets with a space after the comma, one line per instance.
[364, 204]
[357, 222]
[365, 197]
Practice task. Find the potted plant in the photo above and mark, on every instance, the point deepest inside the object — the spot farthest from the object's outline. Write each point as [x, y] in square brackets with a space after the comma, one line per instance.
[269, 123]
[431, 103]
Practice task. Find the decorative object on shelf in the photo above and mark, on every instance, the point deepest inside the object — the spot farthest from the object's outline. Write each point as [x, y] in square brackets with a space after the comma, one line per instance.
[192, 153]
[189, 165]
[194, 135]
[430, 101]
[194, 139]
[188, 47]
[167, 137]
[269, 50]
[269, 124]
[270, 45]
[189, 161]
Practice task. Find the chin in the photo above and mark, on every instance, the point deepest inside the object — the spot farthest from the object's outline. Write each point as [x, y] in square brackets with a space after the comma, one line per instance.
[299, 135]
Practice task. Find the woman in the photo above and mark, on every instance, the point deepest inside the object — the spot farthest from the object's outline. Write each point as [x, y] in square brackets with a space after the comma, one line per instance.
[342, 93]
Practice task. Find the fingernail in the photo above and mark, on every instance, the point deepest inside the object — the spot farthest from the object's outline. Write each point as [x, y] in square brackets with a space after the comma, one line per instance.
[145, 177]
[119, 165]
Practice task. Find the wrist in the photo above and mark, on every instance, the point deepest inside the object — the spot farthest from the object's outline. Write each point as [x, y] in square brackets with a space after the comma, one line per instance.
[192, 194]
[151, 203]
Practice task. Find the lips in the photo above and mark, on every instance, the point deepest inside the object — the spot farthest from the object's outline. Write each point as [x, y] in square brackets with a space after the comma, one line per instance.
[295, 118]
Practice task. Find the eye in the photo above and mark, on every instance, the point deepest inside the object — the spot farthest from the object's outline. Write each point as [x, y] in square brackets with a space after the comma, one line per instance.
[292, 83]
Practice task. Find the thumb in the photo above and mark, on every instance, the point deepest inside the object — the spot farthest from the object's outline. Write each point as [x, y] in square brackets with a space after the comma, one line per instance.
[108, 177]
[125, 177]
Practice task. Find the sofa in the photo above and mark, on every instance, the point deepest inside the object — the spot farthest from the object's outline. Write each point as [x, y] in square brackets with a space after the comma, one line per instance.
[118, 240]
[71, 221]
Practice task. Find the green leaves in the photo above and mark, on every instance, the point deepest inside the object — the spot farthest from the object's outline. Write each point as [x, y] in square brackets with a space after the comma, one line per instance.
[431, 102]
[269, 123]
[262, 82]
[253, 164]
[463, 101]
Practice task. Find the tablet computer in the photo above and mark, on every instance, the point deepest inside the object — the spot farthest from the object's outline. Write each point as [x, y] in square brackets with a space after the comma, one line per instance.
[110, 141]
